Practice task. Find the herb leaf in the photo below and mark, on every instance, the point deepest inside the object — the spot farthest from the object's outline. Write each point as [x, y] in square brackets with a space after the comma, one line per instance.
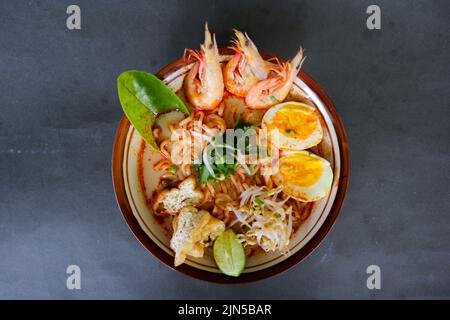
[143, 96]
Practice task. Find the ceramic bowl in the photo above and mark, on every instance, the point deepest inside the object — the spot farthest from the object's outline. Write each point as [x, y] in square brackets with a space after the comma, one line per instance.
[152, 235]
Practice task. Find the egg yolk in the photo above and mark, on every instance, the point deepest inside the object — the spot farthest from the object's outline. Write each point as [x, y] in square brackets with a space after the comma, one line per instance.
[294, 121]
[301, 169]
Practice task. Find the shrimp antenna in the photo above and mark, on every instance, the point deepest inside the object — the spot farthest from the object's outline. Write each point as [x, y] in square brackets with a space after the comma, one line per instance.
[300, 53]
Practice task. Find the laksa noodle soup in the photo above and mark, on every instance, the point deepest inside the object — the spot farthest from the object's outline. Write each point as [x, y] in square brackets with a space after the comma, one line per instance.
[236, 172]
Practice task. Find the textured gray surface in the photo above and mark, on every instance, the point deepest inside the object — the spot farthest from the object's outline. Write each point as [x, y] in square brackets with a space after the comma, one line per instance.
[60, 112]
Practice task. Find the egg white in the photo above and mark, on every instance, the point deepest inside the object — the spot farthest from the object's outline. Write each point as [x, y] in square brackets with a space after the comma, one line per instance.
[314, 192]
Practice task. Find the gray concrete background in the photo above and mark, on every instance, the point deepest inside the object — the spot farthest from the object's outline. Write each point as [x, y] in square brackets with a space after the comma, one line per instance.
[59, 113]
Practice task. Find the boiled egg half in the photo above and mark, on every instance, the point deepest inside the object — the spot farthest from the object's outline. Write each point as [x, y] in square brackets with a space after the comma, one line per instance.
[304, 176]
[297, 123]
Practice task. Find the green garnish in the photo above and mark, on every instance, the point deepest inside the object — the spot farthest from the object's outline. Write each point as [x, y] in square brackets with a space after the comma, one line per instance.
[221, 169]
[143, 96]
[273, 99]
[173, 169]
[203, 175]
[259, 201]
[229, 253]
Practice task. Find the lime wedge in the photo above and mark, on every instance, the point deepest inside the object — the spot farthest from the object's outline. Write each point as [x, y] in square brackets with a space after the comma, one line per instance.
[229, 254]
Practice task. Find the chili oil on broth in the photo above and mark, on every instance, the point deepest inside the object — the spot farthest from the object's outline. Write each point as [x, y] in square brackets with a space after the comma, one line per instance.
[149, 179]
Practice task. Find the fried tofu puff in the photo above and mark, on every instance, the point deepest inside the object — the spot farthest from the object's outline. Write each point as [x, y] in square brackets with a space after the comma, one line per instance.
[192, 228]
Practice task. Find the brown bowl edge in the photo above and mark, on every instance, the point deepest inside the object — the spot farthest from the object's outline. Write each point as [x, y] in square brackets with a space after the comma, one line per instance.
[122, 201]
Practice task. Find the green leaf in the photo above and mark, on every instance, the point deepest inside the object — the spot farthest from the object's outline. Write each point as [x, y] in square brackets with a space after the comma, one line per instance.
[143, 96]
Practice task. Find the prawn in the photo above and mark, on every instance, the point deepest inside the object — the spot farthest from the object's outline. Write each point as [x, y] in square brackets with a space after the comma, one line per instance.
[276, 87]
[204, 83]
[246, 68]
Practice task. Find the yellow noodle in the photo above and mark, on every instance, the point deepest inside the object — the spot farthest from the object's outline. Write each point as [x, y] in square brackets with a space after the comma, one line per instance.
[164, 148]
[162, 165]
[236, 182]
[222, 200]
[223, 187]
[211, 189]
